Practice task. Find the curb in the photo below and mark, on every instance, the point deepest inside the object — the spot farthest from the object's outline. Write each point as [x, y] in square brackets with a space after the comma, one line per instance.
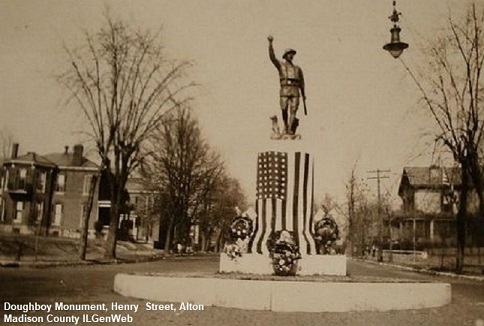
[424, 270]
[89, 262]
[45, 264]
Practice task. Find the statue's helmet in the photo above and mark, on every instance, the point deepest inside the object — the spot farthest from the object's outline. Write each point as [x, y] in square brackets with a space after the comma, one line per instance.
[287, 51]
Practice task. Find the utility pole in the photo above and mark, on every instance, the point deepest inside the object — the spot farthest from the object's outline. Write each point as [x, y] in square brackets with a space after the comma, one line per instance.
[378, 177]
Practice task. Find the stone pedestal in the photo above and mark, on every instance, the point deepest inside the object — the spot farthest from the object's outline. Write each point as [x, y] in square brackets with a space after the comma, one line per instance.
[261, 264]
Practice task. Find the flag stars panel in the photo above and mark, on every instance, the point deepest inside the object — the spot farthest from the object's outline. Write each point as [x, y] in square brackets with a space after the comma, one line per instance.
[271, 181]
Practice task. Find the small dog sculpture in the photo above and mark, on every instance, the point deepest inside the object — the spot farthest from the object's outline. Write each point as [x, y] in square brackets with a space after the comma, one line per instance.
[276, 132]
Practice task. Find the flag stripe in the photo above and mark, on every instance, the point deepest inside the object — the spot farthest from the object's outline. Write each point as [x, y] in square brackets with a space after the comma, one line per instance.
[311, 189]
[273, 213]
[256, 229]
[260, 231]
[295, 195]
[311, 247]
[305, 203]
[287, 222]
[278, 214]
[267, 224]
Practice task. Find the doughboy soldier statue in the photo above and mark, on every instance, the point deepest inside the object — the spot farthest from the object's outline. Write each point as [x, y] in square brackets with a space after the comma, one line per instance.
[292, 86]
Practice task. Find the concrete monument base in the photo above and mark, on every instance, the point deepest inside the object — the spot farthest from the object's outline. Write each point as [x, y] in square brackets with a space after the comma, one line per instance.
[285, 296]
[261, 264]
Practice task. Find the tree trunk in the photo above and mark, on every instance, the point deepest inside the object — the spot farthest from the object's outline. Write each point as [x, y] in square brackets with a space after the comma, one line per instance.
[461, 219]
[220, 242]
[206, 239]
[85, 217]
[203, 244]
[477, 181]
[168, 239]
[349, 246]
[390, 256]
[111, 241]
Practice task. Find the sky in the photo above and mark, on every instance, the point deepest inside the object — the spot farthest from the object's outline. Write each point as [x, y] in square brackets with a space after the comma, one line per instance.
[363, 108]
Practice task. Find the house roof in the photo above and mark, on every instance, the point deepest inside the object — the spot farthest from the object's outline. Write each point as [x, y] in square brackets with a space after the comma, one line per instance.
[32, 158]
[432, 175]
[135, 185]
[66, 160]
[429, 177]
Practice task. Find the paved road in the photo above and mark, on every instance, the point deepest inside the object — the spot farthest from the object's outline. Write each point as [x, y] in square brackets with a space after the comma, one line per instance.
[93, 284]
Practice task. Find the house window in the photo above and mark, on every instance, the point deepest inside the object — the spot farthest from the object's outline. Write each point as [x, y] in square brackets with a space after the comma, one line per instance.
[57, 215]
[41, 181]
[40, 211]
[22, 176]
[61, 183]
[87, 184]
[19, 208]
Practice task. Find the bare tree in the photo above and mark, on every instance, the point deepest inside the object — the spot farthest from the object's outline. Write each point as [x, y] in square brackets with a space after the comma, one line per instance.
[356, 210]
[218, 209]
[184, 170]
[123, 85]
[328, 204]
[451, 87]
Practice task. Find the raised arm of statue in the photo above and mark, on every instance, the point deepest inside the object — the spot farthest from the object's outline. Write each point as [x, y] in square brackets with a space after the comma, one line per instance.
[272, 55]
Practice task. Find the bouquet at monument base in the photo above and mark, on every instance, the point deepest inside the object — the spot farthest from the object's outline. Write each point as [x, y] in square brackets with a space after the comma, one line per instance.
[284, 253]
[233, 251]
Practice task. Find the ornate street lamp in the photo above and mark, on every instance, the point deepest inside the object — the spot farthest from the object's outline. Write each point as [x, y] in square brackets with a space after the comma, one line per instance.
[395, 47]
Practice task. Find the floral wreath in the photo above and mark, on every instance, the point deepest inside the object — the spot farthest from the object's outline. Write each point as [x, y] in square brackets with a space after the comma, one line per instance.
[284, 253]
[241, 228]
[325, 234]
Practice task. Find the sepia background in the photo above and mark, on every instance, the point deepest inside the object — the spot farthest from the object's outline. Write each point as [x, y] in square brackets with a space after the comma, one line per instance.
[363, 107]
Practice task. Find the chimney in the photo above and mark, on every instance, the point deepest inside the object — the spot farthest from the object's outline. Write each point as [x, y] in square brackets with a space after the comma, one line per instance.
[14, 150]
[77, 157]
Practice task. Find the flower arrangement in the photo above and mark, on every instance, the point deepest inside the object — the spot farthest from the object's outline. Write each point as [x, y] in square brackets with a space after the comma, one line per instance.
[325, 234]
[284, 253]
[240, 231]
[233, 250]
[241, 228]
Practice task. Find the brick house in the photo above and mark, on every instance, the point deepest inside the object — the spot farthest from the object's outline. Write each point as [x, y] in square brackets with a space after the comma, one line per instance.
[429, 198]
[46, 194]
[71, 190]
[26, 183]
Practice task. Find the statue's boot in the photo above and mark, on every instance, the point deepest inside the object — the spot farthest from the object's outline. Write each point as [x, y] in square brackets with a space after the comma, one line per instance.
[286, 124]
[295, 124]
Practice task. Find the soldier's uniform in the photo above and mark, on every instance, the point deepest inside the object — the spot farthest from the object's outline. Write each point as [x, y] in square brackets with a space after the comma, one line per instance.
[292, 82]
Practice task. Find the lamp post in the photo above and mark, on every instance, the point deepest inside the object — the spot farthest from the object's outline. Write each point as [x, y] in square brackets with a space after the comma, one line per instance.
[395, 47]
